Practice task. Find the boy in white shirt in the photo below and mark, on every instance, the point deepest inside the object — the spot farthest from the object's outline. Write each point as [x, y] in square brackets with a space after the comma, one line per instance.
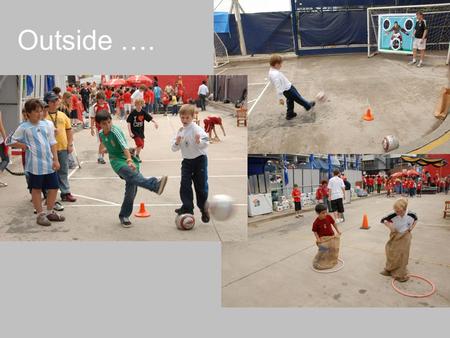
[284, 87]
[193, 141]
[400, 223]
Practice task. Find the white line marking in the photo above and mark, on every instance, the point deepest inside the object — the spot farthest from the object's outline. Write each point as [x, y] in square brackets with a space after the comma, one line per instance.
[136, 205]
[179, 160]
[251, 101]
[74, 170]
[116, 177]
[112, 204]
[222, 71]
[256, 84]
[258, 98]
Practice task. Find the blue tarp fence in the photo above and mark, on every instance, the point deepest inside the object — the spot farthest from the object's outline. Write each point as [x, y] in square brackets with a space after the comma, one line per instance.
[271, 32]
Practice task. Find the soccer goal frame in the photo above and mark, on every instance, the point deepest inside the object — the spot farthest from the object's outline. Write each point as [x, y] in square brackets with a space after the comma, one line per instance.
[221, 57]
[372, 23]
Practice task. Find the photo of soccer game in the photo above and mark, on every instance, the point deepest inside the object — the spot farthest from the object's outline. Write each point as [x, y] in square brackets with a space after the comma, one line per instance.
[122, 157]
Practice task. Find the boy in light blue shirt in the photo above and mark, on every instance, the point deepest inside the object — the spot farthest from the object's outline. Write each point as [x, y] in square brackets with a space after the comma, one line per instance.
[41, 160]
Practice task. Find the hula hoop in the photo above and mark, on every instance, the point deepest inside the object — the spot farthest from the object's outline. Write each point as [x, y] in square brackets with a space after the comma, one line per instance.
[329, 270]
[407, 294]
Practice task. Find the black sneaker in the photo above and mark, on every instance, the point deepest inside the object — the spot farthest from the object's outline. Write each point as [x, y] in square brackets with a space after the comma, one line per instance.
[291, 116]
[101, 160]
[205, 216]
[125, 221]
[313, 103]
[178, 211]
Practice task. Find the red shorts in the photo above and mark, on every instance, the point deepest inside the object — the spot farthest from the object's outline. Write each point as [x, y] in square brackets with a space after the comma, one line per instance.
[139, 142]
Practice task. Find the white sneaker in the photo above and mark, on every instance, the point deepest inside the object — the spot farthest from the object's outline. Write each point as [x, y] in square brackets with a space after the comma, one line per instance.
[338, 220]
[412, 62]
[420, 64]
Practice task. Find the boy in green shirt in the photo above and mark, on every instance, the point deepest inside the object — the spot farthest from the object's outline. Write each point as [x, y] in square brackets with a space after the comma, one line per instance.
[113, 139]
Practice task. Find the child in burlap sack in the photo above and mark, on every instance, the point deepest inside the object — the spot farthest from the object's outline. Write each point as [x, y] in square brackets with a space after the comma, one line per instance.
[326, 239]
[401, 222]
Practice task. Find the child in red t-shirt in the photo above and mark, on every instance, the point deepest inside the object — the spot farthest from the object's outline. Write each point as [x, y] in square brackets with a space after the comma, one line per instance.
[419, 188]
[324, 225]
[296, 196]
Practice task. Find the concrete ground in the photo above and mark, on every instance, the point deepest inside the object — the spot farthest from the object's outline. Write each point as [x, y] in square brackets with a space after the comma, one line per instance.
[402, 97]
[100, 192]
[273, 269]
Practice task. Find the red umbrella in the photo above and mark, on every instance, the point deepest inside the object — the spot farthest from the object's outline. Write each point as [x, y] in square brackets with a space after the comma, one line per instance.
[115, 83]
[412, 172]
[397, 174]
[137, 80]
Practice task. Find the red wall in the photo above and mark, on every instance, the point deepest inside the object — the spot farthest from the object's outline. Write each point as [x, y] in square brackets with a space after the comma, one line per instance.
[190, 82]
[444, 171]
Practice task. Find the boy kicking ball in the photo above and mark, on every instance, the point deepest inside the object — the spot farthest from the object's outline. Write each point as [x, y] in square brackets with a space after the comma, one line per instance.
[113, 139]
[284, 87]
[400, 223]
[192, 140]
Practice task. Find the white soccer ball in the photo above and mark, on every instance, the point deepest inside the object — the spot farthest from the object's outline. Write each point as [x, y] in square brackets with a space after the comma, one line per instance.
[185, 221]
[221, 207]
[320, 96]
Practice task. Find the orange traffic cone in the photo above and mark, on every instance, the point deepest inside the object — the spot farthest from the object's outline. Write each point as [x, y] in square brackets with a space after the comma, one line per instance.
[365, 223]
[368, 116]
[142, 212]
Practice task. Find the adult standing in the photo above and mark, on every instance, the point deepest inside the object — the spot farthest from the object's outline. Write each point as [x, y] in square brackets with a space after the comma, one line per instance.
[336, 188]
[85, 93]
[420, 39]
[138, 94]
[203, 92]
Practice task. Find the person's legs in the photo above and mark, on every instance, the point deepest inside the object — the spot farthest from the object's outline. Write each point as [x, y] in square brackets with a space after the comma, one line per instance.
[128, 201]
[200, 179]
[300, 100]
[289, 104]
[414, 56]
[186, 193]
[136, 178]
[63, 172]
[51, 199]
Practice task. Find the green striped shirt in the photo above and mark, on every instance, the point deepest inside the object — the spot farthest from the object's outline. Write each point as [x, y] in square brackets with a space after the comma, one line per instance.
[115, 143]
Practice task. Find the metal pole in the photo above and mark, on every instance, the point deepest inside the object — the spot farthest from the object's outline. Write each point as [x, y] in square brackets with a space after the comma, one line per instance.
[237, 15]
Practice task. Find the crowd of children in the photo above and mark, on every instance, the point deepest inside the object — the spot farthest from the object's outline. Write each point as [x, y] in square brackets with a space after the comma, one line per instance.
[407, 186]
[46, 138]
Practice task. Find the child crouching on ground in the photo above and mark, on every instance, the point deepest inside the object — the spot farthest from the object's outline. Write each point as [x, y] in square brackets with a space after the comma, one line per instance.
[401, 222]
[192, 140]
[328, 242]
[113, 139]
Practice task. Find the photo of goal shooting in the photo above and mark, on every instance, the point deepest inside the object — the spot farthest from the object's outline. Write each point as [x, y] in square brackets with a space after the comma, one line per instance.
[340, 76]
[123, 157]
[345, 230]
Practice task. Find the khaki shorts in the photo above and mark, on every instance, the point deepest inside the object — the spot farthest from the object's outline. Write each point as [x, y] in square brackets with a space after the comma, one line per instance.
[419, 44]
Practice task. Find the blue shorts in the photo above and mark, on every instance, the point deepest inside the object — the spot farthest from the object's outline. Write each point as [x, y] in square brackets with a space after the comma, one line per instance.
[43, 182]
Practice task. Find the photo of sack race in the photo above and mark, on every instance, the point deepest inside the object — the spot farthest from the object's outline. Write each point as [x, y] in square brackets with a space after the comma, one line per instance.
[397, 253]
[328, 253]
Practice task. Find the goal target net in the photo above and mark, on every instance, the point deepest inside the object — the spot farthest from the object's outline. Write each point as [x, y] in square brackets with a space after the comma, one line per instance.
[437, 18]
[220, 52]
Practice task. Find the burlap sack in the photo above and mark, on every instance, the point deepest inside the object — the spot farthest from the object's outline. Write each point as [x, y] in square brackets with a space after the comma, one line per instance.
[443, 104]
[397, 254]
[328, 253]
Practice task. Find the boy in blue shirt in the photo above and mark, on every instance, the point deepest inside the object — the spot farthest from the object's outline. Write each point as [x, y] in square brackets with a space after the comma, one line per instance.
[41, 160]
